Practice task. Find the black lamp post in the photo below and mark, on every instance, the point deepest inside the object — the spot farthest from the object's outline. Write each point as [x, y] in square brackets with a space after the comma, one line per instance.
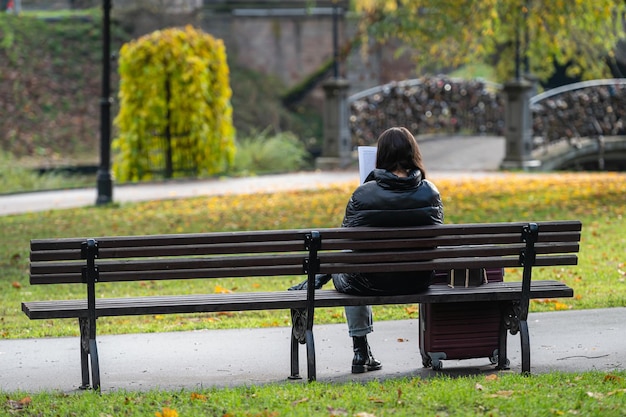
[335, 40]
[521, 57]
[104, 179]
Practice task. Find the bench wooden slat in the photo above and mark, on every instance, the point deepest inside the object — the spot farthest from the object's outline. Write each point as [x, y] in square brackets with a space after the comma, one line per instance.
[190, 239]
[124, 276]
[446, 264]
[454, 240]
[497, 291]
[444, 252]
[107, 265]
[206, 303]
[513, 228]
[171, 250]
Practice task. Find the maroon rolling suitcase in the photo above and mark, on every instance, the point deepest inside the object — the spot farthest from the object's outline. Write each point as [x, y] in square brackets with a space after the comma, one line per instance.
[460, 330]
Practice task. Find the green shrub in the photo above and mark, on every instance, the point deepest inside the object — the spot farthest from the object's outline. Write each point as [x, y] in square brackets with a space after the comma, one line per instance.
[263, 154]
[16, 178]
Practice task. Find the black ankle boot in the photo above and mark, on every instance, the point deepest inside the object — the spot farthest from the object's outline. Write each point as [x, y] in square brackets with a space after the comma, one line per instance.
[363, 360]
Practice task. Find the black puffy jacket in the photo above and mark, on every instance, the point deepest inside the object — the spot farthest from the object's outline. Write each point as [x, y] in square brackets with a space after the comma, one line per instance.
[386, 200]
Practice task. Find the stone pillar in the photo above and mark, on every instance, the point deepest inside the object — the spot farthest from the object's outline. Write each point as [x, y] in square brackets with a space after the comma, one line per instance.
[518, 125]
[336, 148]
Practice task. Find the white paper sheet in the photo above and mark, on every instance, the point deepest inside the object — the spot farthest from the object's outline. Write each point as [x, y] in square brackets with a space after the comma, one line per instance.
[367, 161]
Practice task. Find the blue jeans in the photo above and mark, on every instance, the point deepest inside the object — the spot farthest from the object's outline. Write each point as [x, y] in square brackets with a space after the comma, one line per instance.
[360, 321]
[359, 318]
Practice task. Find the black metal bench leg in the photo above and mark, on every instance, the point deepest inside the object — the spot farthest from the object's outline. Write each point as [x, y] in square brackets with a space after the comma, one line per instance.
[88, 356]
[525, 341]
[89, 251]
[312, 243]
[298, 337]
[295, 358]
[84, 353]
[503, 360]
[310, 355]
[530, 234]
[95, 365]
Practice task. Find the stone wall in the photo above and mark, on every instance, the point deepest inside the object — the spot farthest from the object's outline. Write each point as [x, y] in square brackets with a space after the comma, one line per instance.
[289, 39]
[293, 46]
[174, 6]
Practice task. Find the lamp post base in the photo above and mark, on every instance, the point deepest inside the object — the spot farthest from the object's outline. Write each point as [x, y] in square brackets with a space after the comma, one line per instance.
[105, 188]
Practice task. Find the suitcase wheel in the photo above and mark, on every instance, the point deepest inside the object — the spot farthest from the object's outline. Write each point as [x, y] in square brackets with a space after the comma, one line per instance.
[495, 357]
[435, 360]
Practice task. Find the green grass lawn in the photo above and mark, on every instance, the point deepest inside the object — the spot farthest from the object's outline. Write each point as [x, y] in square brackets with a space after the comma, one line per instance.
[598, 281]
[587, 394]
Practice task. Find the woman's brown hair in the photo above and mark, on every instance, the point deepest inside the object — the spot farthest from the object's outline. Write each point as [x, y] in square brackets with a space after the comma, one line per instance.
[398, 149]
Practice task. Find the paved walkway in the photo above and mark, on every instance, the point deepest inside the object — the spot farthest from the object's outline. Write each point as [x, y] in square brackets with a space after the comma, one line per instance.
[561, 341]
[568, 341]
[477, 156]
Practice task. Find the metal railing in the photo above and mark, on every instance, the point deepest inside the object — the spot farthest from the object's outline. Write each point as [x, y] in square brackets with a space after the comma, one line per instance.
[444, 106]
[427, 106]
[588, 109]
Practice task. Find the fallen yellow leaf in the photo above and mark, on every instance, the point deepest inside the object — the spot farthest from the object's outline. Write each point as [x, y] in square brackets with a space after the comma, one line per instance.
[167, 412]
[376, 400]
[504, 394]
[221, 290]
[615, 378]
[196, 396]
[412, 310]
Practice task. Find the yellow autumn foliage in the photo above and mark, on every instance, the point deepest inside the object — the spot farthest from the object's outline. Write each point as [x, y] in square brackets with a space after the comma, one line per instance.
[177, 81]
[578, 34]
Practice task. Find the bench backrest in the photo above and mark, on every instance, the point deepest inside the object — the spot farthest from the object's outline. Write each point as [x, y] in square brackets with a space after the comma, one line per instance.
[288, 252]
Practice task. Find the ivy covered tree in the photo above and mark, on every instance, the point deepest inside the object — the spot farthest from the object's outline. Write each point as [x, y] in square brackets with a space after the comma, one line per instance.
[175, 114]
[515, 36]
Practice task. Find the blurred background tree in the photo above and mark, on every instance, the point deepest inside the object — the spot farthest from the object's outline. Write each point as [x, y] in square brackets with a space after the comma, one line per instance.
[517, 37]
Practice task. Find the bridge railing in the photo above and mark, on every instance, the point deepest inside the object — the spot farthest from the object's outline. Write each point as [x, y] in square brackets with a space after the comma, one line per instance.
[427, 106]
[440, 105]
[588, 109]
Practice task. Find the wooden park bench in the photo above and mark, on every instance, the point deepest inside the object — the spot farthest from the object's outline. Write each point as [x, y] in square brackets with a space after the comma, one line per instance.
[293, 253]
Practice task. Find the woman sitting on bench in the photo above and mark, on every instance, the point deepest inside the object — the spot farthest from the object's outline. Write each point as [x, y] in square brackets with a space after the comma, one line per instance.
[394, 194]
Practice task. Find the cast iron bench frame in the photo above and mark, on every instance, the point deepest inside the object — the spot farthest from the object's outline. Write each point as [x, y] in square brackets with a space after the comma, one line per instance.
[296, 252]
